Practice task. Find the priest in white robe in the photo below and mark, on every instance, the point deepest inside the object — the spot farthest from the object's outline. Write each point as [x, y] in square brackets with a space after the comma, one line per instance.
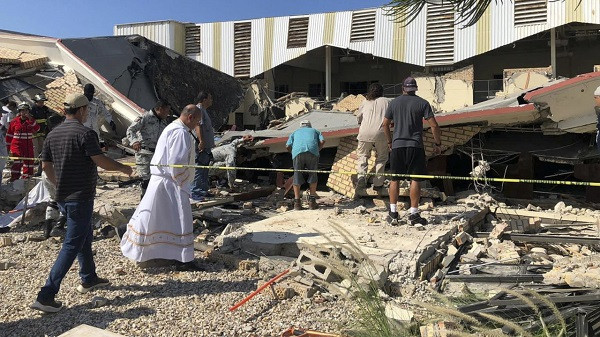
[161, 227]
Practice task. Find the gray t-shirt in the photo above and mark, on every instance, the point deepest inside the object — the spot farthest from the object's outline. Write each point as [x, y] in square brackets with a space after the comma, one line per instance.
[208, 133]
[408, 113]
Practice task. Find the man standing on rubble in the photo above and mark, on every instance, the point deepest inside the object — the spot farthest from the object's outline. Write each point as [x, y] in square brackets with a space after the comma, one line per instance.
[143, 135]
[19, 139]
[206, 141]
[305, 144]
[225, 155]
[40, 113]
[97, 110]
[161, 226]
[370, 135]
[408, 155]
[69, 158]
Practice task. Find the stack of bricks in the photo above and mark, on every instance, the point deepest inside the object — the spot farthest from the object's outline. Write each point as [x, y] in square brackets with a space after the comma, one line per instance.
[347, 160]
[57, 90]
[24, 59]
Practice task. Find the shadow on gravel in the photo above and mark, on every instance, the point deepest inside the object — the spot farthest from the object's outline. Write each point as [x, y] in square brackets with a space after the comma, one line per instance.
[68, 318]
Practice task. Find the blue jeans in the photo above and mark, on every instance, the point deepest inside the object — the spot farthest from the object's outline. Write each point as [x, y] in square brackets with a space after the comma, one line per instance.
[200, 184]
[77, 244]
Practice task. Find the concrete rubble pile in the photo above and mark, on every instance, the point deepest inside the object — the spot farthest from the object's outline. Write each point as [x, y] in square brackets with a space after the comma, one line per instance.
[349, 103]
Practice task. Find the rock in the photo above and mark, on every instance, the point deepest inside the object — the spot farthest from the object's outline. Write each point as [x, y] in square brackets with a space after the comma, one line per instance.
[346, 283]
[217, 213]
[559, 207]
[419, 227]
[337, 211]
[5, 241]
[360, 210]
[248, 205]
[35, 238]
[499, 230]
[574, 280]
[275, 263]
[462, 238]
[98, 301]
[395, 312]
[451, 250]
[538, 250]
[476, 250]
[373, 272]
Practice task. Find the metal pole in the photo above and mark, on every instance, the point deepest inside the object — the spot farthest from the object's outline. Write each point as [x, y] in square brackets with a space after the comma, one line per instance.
[327, 73]
[553, 51]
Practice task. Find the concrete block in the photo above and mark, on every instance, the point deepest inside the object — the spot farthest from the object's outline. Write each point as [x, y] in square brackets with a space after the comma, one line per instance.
[89, 331]
[373, 272]
[248, 265]
[462, 238]
[303, 290]
[315, 266]
[448, 260]
[452, 250]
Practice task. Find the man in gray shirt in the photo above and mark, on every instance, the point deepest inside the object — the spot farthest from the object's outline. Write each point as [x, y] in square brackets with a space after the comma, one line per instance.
[206, 141]
[407, 153]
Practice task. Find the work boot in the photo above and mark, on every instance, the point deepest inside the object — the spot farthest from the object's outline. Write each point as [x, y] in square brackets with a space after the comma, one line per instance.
[47, 228]
[415, 218]
[298, 204]
[312, 202]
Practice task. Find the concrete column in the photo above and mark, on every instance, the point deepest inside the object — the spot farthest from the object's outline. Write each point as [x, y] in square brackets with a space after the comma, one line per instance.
[327, 73]
[553, 51]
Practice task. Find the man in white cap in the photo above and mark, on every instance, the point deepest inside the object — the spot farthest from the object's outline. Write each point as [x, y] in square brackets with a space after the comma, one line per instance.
[407, 152]
[597, 108]
[305, 144]
[69, 158]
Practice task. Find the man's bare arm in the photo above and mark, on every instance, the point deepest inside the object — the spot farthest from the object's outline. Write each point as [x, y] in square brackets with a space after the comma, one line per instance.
[48, 168]
[111, 165]
[437, 134]
[386, 129]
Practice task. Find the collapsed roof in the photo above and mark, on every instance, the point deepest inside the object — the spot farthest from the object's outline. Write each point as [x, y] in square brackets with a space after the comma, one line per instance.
[130, 72]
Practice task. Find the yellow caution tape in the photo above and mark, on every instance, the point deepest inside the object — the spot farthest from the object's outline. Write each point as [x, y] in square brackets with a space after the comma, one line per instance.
[391, 175]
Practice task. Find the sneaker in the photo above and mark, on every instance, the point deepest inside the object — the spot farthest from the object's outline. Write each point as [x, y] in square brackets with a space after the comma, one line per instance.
[415, 218]
[47, 306]
[87, 287]
[312, 203]
[298, 204]
[188, 266]
[392, 218]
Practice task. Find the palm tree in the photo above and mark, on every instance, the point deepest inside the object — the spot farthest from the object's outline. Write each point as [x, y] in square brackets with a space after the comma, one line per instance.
[470, 11]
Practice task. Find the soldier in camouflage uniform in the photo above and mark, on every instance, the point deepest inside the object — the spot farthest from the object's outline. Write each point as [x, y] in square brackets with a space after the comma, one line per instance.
[143, 135]
[225, 155]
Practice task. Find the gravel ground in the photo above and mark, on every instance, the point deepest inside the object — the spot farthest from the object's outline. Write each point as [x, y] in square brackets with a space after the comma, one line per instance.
[152, 302]
[155, 302]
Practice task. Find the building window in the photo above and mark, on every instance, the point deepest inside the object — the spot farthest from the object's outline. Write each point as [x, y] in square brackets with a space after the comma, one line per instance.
[529, 12]
[314, 90]
[363, 26]
[354, 88]
[241, 48]
[440, 34]
[281, 90]
[192, 39]
[297, 32]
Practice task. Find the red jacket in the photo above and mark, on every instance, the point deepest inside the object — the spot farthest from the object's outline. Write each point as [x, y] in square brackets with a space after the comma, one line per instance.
[19, 137]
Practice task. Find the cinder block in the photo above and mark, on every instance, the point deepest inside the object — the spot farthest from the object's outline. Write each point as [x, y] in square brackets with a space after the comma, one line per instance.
[315, 266]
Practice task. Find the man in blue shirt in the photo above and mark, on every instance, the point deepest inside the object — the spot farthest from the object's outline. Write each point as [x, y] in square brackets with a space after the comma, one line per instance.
[305, 144]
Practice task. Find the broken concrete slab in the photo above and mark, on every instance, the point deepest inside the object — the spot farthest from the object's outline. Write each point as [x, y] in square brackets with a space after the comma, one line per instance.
[395, 312]
[89, 331]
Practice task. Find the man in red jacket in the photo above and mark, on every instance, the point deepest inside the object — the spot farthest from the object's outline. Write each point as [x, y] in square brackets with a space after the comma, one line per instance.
[19, 139]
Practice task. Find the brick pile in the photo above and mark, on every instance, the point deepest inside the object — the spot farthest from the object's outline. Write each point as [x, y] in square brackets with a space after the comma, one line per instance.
[346, 158]
[57, 90]
[24, 59]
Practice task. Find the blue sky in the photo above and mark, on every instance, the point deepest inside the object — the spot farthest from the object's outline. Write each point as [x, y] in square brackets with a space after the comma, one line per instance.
[85, 18]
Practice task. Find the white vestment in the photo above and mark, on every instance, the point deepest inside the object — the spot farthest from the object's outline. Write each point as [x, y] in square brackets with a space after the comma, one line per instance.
[161, 227]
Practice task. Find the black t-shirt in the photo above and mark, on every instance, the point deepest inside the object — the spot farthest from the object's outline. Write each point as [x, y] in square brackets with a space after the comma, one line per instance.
[408, 112]
[70, 147]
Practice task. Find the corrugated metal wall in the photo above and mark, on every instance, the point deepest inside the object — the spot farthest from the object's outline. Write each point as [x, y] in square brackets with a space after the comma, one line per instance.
[392, 41]
[159, 32]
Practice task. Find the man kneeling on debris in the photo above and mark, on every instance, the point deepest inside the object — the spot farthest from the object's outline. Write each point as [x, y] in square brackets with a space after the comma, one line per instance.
[305, 144]
[225, 156]
[161, 226]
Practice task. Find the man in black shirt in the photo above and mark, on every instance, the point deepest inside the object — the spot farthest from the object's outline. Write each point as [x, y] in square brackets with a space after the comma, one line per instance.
[69, 158]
